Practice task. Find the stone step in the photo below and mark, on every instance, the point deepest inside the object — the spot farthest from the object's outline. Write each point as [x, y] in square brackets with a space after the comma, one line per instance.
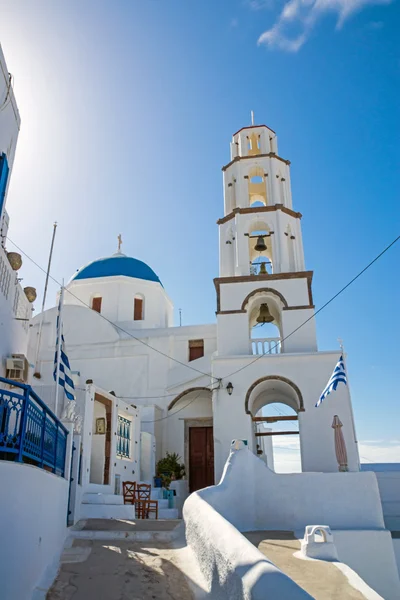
[124, 511]
[102, 499]
[107, 511]
[140, 530]
[167, 513]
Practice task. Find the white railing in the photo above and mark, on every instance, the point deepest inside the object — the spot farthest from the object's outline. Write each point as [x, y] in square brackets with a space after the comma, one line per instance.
[265, 346]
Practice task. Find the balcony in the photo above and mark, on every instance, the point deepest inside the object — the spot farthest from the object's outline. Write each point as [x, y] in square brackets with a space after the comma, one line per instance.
[29, 431]
[261, 346]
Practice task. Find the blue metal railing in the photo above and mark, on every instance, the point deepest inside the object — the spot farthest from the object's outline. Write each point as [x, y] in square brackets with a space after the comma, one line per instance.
[123, 437]
[29, 430]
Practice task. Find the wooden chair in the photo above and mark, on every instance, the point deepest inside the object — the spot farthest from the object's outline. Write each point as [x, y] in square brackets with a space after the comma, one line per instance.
[143, 501]
[129, 491]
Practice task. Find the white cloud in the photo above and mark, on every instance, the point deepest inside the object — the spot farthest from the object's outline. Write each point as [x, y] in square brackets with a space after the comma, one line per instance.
[298, 17]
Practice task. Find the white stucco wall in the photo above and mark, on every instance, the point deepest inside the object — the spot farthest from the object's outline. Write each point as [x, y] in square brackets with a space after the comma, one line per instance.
[231, 566]
[371, 555]
[388, 476]
[13, 305]
[33, 505]
[310, 373]
[289, 502]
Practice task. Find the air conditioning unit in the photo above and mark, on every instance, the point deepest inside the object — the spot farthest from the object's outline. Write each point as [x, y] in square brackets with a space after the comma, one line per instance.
[17, 368]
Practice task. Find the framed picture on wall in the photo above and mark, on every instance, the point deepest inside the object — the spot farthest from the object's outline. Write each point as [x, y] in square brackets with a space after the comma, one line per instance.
[100, 425]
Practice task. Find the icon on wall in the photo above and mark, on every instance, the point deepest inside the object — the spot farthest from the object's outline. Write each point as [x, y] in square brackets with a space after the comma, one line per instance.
[100, 425]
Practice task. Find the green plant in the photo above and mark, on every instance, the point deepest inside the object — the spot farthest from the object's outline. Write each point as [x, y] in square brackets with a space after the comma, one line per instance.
[170, 467]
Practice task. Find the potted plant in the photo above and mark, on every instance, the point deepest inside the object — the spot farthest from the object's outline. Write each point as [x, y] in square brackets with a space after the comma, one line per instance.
[170, 468]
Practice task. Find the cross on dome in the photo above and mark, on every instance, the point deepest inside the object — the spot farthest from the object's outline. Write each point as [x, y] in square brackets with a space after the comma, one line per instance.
[119, 244]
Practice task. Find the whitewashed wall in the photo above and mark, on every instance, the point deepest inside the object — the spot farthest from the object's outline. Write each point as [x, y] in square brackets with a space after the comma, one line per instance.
[310, 372]
[33, 505]
[231, 566]
[289, 502]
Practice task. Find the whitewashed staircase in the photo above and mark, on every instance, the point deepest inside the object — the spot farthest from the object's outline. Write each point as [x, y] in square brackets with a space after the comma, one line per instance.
[104, 505]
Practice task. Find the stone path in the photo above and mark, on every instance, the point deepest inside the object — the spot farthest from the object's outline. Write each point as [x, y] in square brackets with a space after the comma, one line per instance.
[120, 570]
[322, 580]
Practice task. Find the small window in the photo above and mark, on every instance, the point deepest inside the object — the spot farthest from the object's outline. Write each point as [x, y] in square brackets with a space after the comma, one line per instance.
[96, 304]
[123, 437]
[138, 309]
[196, 349]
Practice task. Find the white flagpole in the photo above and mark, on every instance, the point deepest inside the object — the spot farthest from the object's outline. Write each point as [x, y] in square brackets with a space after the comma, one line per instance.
[59, 332]
[37, 370]
[351, 406]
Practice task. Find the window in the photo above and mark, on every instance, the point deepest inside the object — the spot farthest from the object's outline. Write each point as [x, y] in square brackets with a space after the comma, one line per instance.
[196, 349]
[138, 309]
[96, 304]
[123, 437]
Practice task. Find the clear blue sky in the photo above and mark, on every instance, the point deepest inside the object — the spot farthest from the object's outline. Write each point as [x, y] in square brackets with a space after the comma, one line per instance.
[127, 112]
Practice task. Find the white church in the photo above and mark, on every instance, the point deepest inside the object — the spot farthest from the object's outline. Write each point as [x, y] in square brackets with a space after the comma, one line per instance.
[193, 389]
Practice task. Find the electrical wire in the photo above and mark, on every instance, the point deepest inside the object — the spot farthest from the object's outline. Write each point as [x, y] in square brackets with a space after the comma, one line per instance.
[111, 322]
[179, 410]
[259, 356]
[317, 311]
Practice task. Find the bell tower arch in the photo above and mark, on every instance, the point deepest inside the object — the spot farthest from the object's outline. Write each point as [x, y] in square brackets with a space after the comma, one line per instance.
[260, 246]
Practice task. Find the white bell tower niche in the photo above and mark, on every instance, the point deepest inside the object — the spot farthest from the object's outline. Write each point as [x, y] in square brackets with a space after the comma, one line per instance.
[266, 334]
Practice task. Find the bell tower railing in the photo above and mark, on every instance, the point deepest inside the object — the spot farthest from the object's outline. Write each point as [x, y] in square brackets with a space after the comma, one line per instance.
[261, 346]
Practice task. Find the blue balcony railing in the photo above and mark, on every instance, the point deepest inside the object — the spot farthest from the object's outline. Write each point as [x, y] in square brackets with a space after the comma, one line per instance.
[29, 431]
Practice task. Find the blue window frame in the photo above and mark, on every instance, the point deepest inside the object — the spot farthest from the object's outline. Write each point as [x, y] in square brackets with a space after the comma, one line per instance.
[4, 170]
[124, 437]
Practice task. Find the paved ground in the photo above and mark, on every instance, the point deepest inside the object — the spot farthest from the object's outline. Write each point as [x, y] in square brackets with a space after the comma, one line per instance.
[322, 580]
[120, 570]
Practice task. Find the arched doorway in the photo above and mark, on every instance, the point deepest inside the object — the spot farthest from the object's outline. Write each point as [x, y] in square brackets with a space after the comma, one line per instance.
[190, 434]
[274, 403]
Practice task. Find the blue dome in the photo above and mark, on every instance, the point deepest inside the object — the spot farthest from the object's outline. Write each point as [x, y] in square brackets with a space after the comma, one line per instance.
[119, 264]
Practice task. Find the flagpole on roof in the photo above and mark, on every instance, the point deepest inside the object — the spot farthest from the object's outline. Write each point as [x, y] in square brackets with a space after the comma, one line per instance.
[351, 407]
[59, 334]
[37, 369]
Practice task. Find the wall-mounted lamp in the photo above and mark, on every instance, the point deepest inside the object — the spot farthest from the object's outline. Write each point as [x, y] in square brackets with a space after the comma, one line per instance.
[229, 388]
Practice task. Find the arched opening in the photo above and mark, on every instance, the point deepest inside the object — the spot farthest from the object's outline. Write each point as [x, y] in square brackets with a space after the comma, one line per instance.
[257, 187]
[264, 309]
[138, 308]
[260, 248]
[273, 404]
[253, 144]
[190, 434]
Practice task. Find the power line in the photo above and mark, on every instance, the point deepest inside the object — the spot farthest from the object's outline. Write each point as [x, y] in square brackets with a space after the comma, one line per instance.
[177, 411]
[258, 357]
[111, 322]
[318, 311]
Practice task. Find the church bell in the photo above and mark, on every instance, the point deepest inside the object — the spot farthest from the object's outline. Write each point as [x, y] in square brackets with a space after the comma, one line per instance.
[261, 245]
[263, 269]
[264, 316]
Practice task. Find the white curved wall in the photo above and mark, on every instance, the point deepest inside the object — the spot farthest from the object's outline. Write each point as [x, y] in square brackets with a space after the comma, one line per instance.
[232, 567]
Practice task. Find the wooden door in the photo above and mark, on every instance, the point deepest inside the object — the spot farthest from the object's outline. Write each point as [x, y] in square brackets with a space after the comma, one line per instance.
[201, 458]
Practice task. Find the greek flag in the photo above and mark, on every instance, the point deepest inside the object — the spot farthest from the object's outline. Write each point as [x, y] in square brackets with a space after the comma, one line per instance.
[338, 375]
[61, 362]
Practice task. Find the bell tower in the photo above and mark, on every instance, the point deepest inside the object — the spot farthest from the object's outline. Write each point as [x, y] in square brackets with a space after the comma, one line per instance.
[261, 257]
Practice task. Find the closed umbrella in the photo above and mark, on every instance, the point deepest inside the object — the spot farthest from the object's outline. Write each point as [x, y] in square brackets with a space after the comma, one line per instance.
[340, 446]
